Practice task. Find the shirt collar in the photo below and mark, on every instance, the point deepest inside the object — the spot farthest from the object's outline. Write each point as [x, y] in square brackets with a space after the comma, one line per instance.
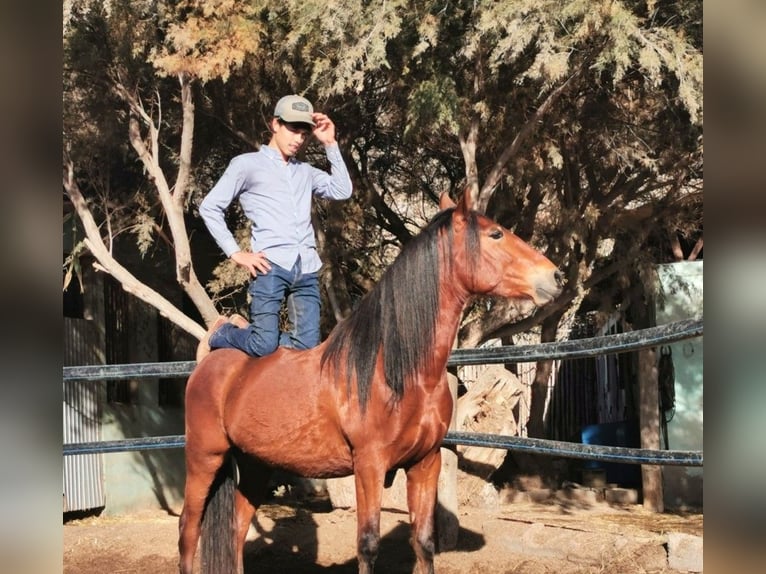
[274, 154]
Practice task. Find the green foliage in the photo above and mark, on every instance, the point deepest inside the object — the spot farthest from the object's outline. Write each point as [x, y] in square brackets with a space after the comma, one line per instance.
[340, 42]
[600, 179]
[433, 103]
[208, 39]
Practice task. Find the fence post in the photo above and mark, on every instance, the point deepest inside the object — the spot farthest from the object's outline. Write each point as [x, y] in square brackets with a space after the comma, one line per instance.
[649, 416]
[447, 523]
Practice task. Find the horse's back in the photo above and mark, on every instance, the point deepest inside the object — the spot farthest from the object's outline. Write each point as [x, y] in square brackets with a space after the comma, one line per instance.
[283, 411]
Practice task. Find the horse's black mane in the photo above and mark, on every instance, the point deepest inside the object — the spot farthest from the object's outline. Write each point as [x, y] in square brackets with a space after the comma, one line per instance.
[398, 316]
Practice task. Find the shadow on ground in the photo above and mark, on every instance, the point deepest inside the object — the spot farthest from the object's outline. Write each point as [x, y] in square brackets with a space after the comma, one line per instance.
[291, 545]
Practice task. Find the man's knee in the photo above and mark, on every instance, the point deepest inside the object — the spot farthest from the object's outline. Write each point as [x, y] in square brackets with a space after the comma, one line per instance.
[260, 346]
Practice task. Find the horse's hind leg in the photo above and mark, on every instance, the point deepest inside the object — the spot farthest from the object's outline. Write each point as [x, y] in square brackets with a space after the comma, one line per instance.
[243, 514]
[422, 483]
[201, 469]
[251, 492]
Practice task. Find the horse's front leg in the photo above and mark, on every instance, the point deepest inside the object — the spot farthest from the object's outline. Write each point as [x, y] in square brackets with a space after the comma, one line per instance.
[422, 483]
[368, 479]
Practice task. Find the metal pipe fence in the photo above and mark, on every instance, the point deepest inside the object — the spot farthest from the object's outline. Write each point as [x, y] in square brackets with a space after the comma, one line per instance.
[578, 348]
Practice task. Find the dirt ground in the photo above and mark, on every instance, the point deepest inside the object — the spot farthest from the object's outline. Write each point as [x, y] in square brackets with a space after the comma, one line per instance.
[304, 537]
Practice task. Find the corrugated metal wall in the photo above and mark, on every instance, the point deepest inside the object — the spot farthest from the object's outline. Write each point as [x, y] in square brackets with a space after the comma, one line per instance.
[84, 338]
[104, 325]
[592, 390]
[83, 474]
[616, 379]
[571, 403]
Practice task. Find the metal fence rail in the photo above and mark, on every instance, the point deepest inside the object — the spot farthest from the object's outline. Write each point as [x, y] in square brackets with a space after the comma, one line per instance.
[534, 445]
[594, 346]
[577, 450]
[578, 348]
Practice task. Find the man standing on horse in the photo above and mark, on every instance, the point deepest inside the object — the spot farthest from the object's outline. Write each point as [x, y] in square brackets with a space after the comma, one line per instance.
[275, 191]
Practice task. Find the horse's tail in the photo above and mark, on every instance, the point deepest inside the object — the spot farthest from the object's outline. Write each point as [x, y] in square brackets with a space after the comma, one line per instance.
[218, 537]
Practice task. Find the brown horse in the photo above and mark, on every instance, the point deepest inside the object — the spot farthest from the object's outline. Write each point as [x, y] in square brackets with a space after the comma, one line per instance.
[370, 399]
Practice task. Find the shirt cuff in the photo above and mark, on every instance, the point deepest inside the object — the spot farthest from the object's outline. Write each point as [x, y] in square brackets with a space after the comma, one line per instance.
[332, 151]
[230, 248]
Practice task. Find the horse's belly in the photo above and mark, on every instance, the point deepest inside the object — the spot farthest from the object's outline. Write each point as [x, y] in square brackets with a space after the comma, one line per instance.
[305, 462]
[316, 450]
[310, 468]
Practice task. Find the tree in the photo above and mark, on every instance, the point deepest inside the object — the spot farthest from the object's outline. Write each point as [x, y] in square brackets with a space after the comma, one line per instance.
[577, 124]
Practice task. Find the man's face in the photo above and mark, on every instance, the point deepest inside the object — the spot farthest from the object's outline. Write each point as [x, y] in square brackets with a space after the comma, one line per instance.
[290, 137]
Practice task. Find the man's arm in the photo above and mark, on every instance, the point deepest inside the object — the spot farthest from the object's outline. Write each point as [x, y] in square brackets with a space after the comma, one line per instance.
[336, 185]
[213, 208]
[213, 211]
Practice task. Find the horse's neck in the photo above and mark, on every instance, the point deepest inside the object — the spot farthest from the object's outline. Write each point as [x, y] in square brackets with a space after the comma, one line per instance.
[451, 310]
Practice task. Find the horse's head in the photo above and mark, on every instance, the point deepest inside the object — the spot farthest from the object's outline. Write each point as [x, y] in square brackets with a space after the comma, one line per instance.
[503, 264]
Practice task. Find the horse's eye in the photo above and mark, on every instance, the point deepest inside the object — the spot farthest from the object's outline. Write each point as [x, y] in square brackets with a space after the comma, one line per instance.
[496, 233]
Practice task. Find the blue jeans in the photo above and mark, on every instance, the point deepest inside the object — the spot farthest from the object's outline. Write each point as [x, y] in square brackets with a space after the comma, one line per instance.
[267, 291]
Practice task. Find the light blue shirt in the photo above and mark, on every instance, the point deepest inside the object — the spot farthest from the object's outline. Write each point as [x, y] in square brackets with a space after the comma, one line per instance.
[276, 198]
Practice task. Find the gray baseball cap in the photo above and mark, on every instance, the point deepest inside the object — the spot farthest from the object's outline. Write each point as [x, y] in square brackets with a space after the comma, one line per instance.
[294, 109]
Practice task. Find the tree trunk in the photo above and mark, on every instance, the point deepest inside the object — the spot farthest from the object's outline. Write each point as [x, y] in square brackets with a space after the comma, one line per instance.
[649, 415]
[536, 423]
[533, 464]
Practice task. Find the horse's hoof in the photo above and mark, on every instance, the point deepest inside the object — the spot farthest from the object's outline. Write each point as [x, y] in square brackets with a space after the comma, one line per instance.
[204, 345]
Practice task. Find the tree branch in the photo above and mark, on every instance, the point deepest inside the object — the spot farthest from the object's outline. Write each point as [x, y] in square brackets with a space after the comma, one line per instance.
[493, 178]
[675, 246]
[187, 137]
[696, 250]
[468, 147]
[107, 263]
[172, 202]
[389, 219]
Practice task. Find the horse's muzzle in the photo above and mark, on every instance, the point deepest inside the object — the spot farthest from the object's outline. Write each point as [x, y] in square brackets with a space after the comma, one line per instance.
[548, 287]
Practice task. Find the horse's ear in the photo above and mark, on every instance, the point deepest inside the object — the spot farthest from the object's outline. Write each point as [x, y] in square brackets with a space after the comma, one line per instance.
[465, 202]
[445, 201]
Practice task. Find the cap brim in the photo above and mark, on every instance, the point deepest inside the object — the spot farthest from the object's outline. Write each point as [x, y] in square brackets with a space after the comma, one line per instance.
[298, 119]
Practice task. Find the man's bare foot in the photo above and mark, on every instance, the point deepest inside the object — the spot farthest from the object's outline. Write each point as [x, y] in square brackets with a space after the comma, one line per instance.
[239, 321]
[204, 345]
